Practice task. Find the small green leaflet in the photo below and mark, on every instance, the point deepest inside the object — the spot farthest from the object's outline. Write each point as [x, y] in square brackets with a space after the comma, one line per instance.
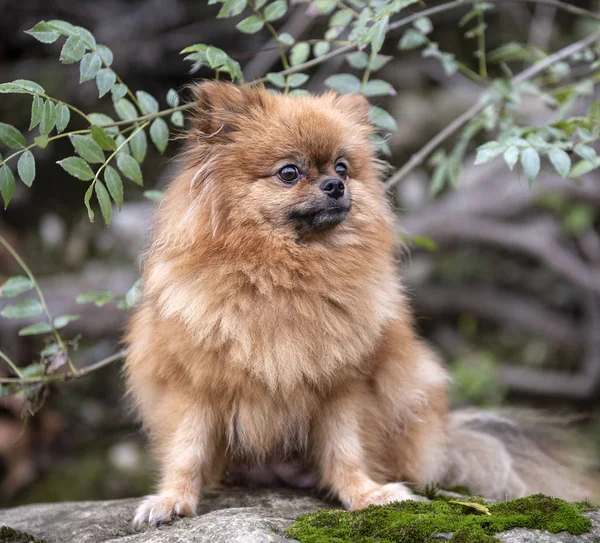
[37, 109]
[139, 146]
[105, 79]
[48, 118]
[11, 136]
[345, 83]
[231, 8]
[177, 118]
[22, 309]
[62, 320]
[34, 329]
[378, 87]
[530, 160]
[159, 133]
[105, 54]
[88, 149]
[26, 168]
[104, 201]
[103, 139]
[154, 195]
[77, 167]
[63, 116]
[43, 32]
[89, 67]
[250, 25]
[86, 200]
[15, 285]
[147, 102]
[130, 168]
[300, 53]
[125, 110]
[561, 162]
[172, 98]
[276, 10]
[97, 297]
[380, 117]
[114, 185]
[511, 156]
[73, 50]
[7, 184]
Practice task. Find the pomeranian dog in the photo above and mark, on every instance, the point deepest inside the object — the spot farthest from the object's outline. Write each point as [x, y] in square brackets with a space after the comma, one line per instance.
[273, 321]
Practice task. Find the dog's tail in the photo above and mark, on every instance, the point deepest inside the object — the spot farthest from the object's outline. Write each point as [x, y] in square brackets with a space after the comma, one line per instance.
[511, 454]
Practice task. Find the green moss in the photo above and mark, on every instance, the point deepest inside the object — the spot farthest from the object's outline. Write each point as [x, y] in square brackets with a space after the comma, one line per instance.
[10, 535]
[419, 522]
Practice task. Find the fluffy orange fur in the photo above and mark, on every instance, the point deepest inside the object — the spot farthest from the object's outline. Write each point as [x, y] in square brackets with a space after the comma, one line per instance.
[258, 339]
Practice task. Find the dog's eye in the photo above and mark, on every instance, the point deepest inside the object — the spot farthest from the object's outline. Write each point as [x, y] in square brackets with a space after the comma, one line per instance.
[341, 169]
[289, 174]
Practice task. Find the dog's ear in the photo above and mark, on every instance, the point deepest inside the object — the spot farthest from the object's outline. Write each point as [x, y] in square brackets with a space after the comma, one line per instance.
[354, 106]
[219, 107]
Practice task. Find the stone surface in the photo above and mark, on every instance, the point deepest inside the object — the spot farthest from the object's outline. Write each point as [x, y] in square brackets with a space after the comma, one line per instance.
[229, 515]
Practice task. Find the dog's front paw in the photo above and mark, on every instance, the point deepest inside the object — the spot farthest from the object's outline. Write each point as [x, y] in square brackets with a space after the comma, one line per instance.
[392, 492]
[163, 508]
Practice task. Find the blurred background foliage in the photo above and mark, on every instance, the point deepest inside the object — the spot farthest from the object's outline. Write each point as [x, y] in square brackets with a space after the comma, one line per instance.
[505, 279]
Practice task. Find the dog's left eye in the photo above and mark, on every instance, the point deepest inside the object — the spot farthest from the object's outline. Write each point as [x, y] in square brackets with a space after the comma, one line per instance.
[341, 169]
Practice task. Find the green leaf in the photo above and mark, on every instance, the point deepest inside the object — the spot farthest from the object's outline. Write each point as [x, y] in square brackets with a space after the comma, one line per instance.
[48, 118]
[139, 146]
[88, 149]
[177, 118]
[530, 160]
[295, 80]
[43, 32]
[154, 195]
[216, 57]
[276, 79]
[231, 8]
[147, 102]
[97, 297]
[489, 151]
[276, 10]
[172, 98]
[561, 162]
[286, 39]
[159, 133]
[7, 184]
[15, 285]
[26, 168]
[130, 168]
[122, 146]
[341, 18]
[101, 137]
[412, 39]
[378, 87]
[22, 309]
[344, 83]
[118, 91]
[41, 141]
[77, 167]
[34, 329]
[105, 80]
[511, 156]
[376, 34]
[21, 86]
[63, 27]
[86, 200]
[114, 185]
[423, 25]
[100, 119]
[424, 242]
[583, 167]
[72, 51]
[104, 201]
[382, 118]
[358, 60]
[11, 136]
[89, 67]
[105, 54]
[586, 152]
[63, 116]
[325, 6]
[125, 110]
[134, 294]
[62, 320]
[321, 48]
[300, 53]
[250, 25]
[37, 109]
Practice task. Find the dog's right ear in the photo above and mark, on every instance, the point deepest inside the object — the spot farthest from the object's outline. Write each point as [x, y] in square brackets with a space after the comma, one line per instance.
[219, 106]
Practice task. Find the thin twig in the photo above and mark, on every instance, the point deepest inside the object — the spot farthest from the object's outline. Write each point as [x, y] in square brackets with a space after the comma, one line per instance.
[11, 364]
[418, 158]
[66, 376]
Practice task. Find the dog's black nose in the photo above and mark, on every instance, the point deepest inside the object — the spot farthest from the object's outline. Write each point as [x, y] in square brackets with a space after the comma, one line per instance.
[334, 188]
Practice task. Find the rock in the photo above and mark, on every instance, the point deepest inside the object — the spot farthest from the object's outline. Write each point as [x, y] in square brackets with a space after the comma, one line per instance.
[227, 515]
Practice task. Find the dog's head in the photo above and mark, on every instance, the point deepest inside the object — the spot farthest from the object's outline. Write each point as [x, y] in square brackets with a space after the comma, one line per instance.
[293, 165]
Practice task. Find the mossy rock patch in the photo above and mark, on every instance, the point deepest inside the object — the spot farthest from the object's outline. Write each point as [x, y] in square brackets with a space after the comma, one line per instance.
[420, 522]
[10, 535]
